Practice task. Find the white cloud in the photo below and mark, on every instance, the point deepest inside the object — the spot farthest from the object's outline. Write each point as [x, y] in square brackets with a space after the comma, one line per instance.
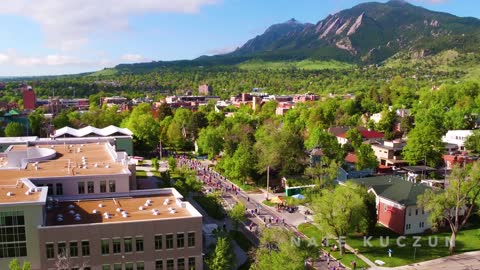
[68, 24]
[134, 58]
[12, 58]
[223, 50]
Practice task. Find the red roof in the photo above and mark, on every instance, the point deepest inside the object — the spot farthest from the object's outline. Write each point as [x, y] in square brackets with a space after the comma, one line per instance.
[351, 158]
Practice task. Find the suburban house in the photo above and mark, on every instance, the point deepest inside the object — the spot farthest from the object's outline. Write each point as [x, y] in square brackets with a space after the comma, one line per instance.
[367, 135]
[389, 153]
[457, 159]
[457, 138]
[396, 201]
[348, 170]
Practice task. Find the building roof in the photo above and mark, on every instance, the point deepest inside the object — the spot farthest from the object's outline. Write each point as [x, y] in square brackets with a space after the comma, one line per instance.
[351, 158]
[108, 131]
[393, 188]
[418, 169]
[93, 211]
[98, 161]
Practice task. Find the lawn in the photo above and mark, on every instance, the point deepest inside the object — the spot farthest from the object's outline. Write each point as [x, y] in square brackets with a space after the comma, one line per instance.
[269, 203]
[313, 232]
[141, 174]
[304, 64]
[467, 240]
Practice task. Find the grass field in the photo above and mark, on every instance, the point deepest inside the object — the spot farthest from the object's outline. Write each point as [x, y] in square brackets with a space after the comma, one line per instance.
[304, 64]
[467, 240]
[104, 72]
[313, 232]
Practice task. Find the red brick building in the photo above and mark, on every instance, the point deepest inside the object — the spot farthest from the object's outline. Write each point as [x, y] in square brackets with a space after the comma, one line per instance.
[29, 98]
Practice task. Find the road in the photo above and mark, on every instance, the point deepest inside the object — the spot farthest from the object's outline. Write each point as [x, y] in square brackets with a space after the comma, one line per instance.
[259, 215]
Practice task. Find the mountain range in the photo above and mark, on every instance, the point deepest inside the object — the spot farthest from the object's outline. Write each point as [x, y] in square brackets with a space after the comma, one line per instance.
[368, 33]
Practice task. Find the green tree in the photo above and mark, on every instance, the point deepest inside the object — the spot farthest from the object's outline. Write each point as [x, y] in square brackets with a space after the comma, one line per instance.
[276, 251]
[456, 203]
[172, 164]
[61, 120]
[424, 144]
[237, 215]
[340, 211]
[14, 129]
[144, 127]
[354, 137]
[37, 122]
[327, 142]
[366, 157]
[155, 164]
[222, 258]
[164, 110]
[15, 265]
[210, 141]
[473, 142]
[241, 165]
[387, 122]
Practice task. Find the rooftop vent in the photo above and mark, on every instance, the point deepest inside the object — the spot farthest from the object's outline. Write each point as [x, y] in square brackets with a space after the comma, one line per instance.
[101, 205]
[71, 206]
[71, 212]
[119, 209]
[38, 189]
[59, 219]
[10, 194]
[78, 218]
[141, 208]
[95, 211]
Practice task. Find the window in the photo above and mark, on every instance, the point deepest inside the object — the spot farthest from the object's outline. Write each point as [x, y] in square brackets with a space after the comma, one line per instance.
[169, 241]
[117, 246]
[423, 211]
[127, 244]
[62, 248]
[384, 208]
[139, 244]
[181, 264]
[158, 265]
[117, 266]
[416, 212]
[73, 249]
[170, 264]
[191, 263]
[103, 186]
[81, 188]
[408, 226]
[158, 242]
[129, 266]
[50, 251]
[50, 189]
[111, 185]
[422, 224]
[85, 248]
[409, 211]
[105, 246]
[140, 266]
[180, 240]
[90, 187]
[106, 267]
[87, 268]
[191, 239]
[59, 188]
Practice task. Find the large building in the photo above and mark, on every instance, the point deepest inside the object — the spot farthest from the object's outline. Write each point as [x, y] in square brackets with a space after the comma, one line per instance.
[76, 204]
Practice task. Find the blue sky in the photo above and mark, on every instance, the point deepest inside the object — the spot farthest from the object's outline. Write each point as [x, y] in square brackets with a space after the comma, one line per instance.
[40, 37]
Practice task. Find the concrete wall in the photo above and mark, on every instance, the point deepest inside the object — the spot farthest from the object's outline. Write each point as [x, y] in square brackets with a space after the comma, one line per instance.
[70, 184]
[147, 229]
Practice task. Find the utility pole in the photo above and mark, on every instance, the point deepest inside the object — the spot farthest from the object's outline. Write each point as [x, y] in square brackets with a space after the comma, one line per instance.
[268, 179]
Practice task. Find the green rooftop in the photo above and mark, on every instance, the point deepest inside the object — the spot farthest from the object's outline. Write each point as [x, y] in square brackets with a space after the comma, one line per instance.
[393, 188]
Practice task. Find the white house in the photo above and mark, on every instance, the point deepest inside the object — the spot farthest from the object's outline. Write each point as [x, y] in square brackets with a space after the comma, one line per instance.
[457, 137]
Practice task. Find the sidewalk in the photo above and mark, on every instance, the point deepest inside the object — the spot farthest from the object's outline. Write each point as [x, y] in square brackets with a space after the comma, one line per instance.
[464, 261]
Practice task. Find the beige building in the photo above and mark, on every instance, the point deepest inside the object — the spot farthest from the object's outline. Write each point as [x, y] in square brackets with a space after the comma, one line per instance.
[79, 202]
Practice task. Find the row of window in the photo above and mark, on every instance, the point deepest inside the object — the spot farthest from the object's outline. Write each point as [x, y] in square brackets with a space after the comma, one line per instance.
[71, 251]
[170, 264]
[128, 243]
[13, 239]
[125, 266]
[91, 186]
[416, 212]
[420, 225]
